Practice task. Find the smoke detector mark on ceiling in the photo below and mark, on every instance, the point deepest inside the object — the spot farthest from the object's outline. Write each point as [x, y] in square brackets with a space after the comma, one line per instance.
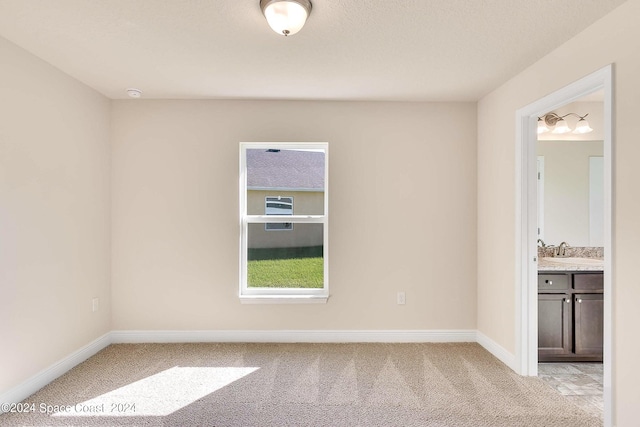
[134, 93]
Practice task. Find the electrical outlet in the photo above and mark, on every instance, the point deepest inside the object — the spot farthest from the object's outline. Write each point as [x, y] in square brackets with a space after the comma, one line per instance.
[95, 304]
[402, 298]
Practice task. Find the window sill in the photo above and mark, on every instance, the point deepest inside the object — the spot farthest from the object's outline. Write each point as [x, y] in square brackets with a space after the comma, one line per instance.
[283, 299]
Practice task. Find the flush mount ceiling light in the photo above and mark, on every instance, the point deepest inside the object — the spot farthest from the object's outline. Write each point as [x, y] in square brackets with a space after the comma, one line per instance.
[286, 17]
[560, 124]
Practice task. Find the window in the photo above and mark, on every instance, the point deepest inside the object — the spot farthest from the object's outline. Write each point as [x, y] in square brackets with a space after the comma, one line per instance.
[283, 246]
[278, 206]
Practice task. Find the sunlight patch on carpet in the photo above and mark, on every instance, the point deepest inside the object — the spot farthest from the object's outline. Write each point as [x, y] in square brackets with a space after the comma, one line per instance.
[158, 395]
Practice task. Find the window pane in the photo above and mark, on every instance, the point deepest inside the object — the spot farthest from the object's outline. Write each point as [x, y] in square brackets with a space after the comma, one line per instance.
[297, 174]
[285, 260]
[283, 185]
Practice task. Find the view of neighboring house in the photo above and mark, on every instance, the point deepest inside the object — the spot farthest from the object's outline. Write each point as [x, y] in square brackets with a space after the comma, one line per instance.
[285, 182]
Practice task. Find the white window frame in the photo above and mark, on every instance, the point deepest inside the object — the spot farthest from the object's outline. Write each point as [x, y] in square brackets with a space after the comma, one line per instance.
[282, 295]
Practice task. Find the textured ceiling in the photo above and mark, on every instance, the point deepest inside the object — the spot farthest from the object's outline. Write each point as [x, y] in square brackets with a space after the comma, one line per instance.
[431, 50]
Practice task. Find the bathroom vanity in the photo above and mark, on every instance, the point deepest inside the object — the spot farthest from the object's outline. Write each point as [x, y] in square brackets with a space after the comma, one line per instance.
[570, 309]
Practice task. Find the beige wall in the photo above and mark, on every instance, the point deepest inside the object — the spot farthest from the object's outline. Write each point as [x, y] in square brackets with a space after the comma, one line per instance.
[402, 203]
[54, 215]
[613, 39]
[566, 190]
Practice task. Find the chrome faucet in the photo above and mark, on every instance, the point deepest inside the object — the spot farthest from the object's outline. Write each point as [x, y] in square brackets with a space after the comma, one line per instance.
[541, 243]
[562, 249]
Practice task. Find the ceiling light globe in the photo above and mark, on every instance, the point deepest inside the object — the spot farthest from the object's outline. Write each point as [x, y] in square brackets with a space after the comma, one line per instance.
[582, 127]
[542, 127]
[286, 17]
[561, 127]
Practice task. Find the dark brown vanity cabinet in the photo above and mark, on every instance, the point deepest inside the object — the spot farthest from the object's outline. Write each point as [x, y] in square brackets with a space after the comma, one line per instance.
[570, 316]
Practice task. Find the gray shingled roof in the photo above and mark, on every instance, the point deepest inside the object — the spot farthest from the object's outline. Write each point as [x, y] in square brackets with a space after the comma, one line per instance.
[301, 170]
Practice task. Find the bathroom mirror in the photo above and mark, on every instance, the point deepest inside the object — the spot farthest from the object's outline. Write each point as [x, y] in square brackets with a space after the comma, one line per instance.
[571, 177]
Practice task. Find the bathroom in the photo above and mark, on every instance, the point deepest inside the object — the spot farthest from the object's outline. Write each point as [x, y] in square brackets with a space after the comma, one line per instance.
[570, 250]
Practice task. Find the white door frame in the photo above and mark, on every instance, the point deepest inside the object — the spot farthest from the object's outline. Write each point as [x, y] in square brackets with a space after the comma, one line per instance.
[540, 196]
[526, 263]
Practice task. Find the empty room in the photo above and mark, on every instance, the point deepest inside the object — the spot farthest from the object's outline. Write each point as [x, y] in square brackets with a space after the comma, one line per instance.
[319, 212]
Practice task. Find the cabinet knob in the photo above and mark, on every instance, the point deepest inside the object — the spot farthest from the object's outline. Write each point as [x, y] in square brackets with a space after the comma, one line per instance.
[579, 300]
[567, 300]
[549, 282]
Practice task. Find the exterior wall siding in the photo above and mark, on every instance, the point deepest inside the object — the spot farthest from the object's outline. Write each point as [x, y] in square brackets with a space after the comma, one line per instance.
[302, 235]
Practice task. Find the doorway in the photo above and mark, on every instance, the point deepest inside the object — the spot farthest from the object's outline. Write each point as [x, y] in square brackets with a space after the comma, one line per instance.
[527, 233]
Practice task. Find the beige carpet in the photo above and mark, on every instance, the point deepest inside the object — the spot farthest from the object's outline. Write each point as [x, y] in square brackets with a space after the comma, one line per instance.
[297, 385]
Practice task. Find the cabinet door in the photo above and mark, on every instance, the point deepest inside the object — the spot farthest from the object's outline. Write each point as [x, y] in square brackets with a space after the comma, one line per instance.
[589, 318]
[554, 312]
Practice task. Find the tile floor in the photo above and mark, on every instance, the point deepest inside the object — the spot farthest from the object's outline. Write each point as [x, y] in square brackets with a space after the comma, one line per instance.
[579, 382]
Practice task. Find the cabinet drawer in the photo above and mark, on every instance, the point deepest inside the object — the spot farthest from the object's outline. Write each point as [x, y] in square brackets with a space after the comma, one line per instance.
[548, 282]
[588, 281]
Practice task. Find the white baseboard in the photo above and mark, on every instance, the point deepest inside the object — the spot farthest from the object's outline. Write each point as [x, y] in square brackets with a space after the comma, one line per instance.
[44, 377]
[497, 350]
[293, 336]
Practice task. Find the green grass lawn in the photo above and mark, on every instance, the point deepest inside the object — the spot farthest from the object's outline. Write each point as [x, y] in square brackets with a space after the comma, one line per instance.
[286, 273]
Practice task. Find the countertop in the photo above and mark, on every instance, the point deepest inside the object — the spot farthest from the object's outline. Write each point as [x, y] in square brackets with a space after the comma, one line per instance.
[570, 264]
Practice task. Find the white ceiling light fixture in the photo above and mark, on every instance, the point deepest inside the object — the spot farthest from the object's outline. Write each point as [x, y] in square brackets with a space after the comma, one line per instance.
[286, 17]
[559, 124]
